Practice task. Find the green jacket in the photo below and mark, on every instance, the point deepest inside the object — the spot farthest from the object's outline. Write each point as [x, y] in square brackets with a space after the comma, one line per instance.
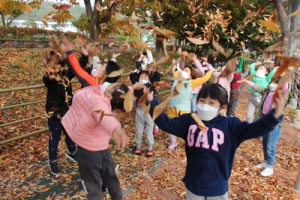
[264, 82]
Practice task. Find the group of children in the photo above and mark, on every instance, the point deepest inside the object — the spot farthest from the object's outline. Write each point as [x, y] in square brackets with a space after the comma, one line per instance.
[90, 122]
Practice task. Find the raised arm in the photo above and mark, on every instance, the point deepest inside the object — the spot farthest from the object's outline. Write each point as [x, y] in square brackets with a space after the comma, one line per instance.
[199, 81]
[271, 74]
[252, 69]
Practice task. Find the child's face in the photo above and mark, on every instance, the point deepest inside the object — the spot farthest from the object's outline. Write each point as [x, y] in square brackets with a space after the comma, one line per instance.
[263, 68]
[188, 71]
[209, 101]
[144, 77]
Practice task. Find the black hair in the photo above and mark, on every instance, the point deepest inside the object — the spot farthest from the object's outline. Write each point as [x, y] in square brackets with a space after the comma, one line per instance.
[264, 65]
[110, 67]
[214, 91]
[117, 102]
[145, 53]
[143, 72]
[276, 80]
[193, 71]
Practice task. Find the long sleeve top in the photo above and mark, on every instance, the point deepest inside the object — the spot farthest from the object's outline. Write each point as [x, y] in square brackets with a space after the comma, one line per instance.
[210, 156]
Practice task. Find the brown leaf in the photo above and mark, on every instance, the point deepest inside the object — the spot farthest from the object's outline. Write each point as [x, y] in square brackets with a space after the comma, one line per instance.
[197, 41]
[116, 73]
[147, 109]
[142, 44]
[285, 63]
[261, 9]
[128, 101]
[22, 65]
[165, 32]
[199, 122]
[229, 68]
[270, 25]
[286, 78]
[219, 48]
[111, 44]
[274, 47]
[45, 22]
[142, 100]
[179, 86]
[46, 189]
[98, 6]
[295, 13]
[162, 84]
[61, 7]
[160, 108]
[249, 77]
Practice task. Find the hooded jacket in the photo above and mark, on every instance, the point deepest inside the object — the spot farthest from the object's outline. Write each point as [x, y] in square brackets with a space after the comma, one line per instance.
[85, 126]
[210, 156]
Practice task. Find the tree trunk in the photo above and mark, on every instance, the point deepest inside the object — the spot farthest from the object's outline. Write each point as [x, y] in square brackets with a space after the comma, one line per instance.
[297, 186]
[282, 18]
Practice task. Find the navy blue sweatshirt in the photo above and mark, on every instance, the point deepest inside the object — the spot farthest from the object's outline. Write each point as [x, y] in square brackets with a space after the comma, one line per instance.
[210, 156]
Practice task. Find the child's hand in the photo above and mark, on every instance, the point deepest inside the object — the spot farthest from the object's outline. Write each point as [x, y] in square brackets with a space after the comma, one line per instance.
[280, 102]
[120, 138]
[204, 59]
[115, 55]
[85, 49]
[243, 81]
[150, 96]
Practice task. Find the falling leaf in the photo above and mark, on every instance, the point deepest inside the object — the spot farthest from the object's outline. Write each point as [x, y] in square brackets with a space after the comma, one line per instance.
[215, 54]
[295, 13]
[98, 6]
[111, 44]
[142, 44]
[45, 22]
[199, 122]
[285, 63]
[197, 41]
[274, 47]
[162, 84]
[261, 9]
[219, 48]
[243, 45]
[46, 189]
[160, 108]
[179, 86]
[116, 73]
[249, 77]
[270, 25]
[128, 101]
[229, 68]
[142, 100]
[133, 17]
[61, 7]
[286, 78]
[165, 32]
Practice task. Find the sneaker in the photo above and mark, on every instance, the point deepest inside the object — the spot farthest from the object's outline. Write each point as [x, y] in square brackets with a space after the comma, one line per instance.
[267, 172]
[156, 130]
[104, 189]
[72, 157]
[53, 168]
[262, 165]
[173, 145]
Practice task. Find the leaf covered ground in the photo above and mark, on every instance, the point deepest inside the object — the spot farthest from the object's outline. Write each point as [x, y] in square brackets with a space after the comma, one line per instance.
[25, 173]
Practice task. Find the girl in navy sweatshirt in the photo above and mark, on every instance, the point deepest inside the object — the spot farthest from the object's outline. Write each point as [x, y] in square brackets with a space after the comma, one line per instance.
[210, 156]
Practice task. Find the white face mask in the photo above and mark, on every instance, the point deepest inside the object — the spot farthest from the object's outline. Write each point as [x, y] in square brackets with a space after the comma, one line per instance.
[260, 73]
[145, 60]
[94, 72]
[96, 60]
[184, 74]
[272, 87]
[143, 81]
[206, 112]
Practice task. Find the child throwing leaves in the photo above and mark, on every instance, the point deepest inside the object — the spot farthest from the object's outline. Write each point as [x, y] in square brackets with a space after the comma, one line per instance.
[210, 151]
[59, 98]
[262, 77]
[270, 140]
[181, 104]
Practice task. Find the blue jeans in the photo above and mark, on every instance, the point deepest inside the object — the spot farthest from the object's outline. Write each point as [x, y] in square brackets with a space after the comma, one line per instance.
[55, 128]
[194, 102]
[269, 143]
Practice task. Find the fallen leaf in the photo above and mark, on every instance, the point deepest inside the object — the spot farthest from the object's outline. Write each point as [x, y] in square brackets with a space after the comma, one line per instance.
[22, 65]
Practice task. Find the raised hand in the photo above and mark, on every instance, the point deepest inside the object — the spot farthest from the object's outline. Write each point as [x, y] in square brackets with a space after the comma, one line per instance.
[115, 55]
[85, 50]
[243, 81]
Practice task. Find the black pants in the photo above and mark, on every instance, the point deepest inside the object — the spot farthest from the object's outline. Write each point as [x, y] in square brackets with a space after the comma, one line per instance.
[234, 98]
[94, 166]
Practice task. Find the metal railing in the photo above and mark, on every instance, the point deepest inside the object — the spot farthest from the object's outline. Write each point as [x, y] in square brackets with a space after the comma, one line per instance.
[296, 86]
[31, 103]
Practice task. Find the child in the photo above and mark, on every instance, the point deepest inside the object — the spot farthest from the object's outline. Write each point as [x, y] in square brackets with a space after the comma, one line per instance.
[210, 155]
[143, 122]
[262, 77]
[59, 98]
[271, 139]
[181, 104]
[145, 59]
[234, 93]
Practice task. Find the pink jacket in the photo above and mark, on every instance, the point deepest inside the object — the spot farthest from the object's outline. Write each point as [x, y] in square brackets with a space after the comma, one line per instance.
[83, 125]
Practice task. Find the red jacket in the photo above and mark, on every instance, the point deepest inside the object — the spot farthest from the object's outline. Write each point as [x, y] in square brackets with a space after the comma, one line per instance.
[234, 84]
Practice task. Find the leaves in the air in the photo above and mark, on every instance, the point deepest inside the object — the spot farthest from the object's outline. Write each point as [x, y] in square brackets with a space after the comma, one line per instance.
[162, 84]
[61, 6]
[199, 122]
[229, 68]
[219, 48]
[116, 73]
[286, 61]
[98, 6]
[274, 47]
[128, 101]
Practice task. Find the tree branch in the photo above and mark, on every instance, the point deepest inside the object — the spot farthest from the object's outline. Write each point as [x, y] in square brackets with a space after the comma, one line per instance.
[108, 16]
[88, 8]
